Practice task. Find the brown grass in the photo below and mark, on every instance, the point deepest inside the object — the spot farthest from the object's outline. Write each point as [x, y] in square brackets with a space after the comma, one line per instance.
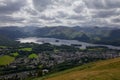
[101, 70]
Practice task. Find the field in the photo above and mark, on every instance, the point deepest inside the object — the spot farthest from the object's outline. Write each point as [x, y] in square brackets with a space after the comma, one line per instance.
[101, 70]
[26, 49]
[15, 54]
[32, 56]
[5, 60]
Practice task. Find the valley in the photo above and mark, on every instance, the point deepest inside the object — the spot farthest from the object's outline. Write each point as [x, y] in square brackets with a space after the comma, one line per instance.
[30, 60]
[59, 39]
[27, 53]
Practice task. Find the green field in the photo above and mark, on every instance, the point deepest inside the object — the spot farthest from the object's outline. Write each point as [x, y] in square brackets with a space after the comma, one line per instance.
[6, 60]
[32, 56]
[101, 70]
[15, 54]
[2, 46]
[26, 49]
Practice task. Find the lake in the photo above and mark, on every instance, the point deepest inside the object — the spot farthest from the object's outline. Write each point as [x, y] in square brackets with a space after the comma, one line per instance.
[58, 42]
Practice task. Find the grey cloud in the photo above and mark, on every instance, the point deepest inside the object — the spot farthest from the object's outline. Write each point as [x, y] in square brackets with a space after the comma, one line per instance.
[116, 20]
[96, 22]
[95, 4]
[102, 4]
[77, 17]
[31, 11]
[69, 12]
[62, 14]
[46, 17]
[58, 21]
[11, 6]
[113, 3]
[79, 7]
[78, 10]
[5, 19]
[105, 13]
[41, 5]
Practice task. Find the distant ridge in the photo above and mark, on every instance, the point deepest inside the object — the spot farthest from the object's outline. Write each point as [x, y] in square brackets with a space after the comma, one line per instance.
[95, 34]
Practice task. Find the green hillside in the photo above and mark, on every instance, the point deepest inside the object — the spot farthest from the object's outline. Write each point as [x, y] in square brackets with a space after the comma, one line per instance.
[101, 70]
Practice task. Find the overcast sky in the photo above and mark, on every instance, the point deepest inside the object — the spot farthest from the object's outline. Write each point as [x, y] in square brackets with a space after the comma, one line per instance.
[59, 12]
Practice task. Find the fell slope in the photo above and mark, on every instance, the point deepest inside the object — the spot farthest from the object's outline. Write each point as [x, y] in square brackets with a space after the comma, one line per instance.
[101, 70]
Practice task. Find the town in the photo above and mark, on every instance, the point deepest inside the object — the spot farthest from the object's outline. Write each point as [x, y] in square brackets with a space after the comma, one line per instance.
[31, 60]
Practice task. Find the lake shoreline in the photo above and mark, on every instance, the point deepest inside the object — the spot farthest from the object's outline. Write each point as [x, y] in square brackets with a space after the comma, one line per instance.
[58, 42]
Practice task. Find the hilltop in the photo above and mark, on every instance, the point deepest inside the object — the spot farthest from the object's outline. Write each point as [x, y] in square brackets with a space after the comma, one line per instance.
[101, 70]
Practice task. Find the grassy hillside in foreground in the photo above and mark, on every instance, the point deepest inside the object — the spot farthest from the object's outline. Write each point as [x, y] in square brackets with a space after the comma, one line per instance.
[101, 70]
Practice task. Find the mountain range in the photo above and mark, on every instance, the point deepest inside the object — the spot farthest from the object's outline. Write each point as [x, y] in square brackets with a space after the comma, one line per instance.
[99, 35]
